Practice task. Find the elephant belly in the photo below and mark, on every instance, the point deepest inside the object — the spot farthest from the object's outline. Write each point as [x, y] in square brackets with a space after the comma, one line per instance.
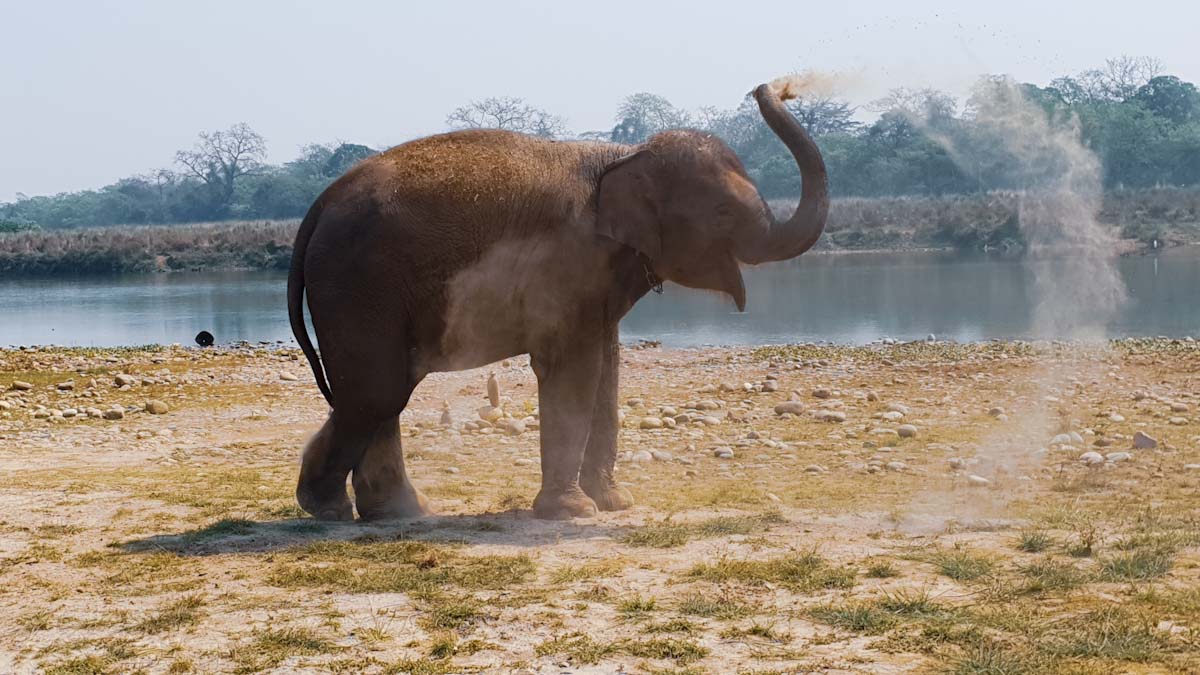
[518, 298]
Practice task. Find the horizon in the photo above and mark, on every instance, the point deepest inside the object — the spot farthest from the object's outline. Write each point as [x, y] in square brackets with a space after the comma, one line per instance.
[148, 92]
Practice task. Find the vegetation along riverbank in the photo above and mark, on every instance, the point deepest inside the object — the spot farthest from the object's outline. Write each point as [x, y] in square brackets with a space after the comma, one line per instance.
[1143, 218]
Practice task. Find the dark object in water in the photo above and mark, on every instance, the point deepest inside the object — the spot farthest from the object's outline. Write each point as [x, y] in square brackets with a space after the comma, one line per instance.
[204, 338]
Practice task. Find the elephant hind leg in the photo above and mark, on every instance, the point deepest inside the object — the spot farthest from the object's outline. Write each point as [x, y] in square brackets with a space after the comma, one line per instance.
[382, 488]
[322, 487]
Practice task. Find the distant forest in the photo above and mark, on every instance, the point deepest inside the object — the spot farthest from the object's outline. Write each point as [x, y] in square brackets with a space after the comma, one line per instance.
[1143, 124]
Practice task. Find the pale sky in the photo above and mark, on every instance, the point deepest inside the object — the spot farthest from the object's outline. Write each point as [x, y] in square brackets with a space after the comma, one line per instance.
[92, 91]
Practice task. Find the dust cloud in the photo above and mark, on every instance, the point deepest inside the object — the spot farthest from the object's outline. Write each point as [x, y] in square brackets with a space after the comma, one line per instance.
[1075, 291]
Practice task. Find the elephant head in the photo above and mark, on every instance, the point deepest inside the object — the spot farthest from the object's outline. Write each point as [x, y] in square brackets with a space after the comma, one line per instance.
[684, 200]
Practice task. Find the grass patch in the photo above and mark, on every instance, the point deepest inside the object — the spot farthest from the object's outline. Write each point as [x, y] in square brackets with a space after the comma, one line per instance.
[677, 649]
[804, 572]
[669, 535]
[994, 659]
[963, 565]
[1137, 565]
[369, 565]
[1109, 633]
[576, 646]
[672, 626]
[181, 613]
[860, 618]
[1051, 575]
[270, 647]
[766, 632]
[1034, 541]
[718, 607]
[881, 570]
[592, 570]
[636, 606]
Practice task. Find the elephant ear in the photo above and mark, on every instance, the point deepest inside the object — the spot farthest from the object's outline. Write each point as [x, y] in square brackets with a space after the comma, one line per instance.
[625, 205]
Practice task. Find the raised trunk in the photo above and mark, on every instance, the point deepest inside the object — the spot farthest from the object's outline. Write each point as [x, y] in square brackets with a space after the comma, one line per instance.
[790, 238]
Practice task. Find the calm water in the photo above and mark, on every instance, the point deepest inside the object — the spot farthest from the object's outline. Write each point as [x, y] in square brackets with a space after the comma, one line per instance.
[845, 299]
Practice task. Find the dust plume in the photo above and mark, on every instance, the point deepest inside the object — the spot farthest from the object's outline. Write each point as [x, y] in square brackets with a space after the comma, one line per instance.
[808, 83]
[1075, 291]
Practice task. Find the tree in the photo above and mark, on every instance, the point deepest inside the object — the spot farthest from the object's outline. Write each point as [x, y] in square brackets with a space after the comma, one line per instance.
[928, 107]
[507, 112]
[642, 115]
[220, 158]
[1169, 97]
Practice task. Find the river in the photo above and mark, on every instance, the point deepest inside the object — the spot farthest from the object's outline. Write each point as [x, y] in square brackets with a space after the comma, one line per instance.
[849, 299]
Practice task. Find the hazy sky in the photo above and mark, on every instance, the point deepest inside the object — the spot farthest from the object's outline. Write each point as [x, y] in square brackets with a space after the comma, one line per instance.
[92, 91]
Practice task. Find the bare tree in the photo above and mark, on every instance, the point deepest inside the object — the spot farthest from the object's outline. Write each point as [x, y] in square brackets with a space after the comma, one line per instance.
[507, 112]
[1125, 74]
[221, 157]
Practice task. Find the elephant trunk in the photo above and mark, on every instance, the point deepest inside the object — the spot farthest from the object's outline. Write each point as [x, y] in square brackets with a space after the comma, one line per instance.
[790, 238]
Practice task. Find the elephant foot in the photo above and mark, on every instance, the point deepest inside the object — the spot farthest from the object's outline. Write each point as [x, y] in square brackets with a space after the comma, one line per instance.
[608, 496]
[406, 502]
[563, 504]
[325, 509]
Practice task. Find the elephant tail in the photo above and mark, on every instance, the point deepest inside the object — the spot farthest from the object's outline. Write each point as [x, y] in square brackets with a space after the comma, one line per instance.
[296, 299]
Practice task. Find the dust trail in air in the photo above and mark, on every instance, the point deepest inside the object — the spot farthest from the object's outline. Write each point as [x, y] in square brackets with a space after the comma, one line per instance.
[1075, 291]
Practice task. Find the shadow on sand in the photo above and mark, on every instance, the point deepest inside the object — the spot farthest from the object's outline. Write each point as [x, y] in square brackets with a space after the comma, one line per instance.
[235, 535]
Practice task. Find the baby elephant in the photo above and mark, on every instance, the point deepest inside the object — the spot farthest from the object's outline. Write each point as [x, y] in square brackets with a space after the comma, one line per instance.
[457, 250]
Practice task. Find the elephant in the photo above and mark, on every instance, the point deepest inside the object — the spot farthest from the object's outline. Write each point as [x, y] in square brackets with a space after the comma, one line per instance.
[461, 249]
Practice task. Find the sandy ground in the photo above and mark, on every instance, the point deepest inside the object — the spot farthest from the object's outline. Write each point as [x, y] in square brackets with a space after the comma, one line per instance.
[835, 539]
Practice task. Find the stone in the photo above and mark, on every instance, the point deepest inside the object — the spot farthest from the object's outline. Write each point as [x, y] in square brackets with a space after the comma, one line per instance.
[1091, 458]
[123, 380]
[156, 407]
[661, 455]
[1179, 407]
[287, 377]
[1191, 467]
[1061, 439]
[896, 466]
[792, 407]
[1115, 457]
[709, 420]
[451, 469]
[1178, 421]
[996, 412]
[20, 385]
[708, 405]
[906, 431]
[898, 408]
[835, 416]
[650, 423]
[493, 390]
[447, 419]
[69, 385]
[515, 427]
[723, 452]
[957, 463]
[891, 416]
[770, 385]
[1116, 417]
[822, 393]
[1102, 442]
[978, 481]
[1143, 441]
[114, 414]
[490, 413]
[815, 468]
[642, 456]
[773, 497]
[872, 396]
[669, 422]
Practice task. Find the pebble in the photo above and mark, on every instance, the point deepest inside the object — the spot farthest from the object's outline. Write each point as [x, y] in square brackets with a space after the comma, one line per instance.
[896, 466]
[114, 414]
[793, 407]
[836, 416]
[891, 416]
[815, 468]
[1118, 457]
[906, 431]
[898, 407]
[287, 377]
[642, 456]
[773, 497]
[662, 455]
[69, 385]
[451, 469]
[1091, 458]
[1062, 439]
[996, 412]
[524, 461]
[770, 385]
[956, 463]
[723, 452]
[1178, 421]
[155, 407]
[490, 413]
[123, 380]
[1142, 441]
[978, 481]
[709, 420]
[1179, 407]
[20, 385]
[493, 390]
[1116, 417]
[1191, 467]
[822, 393]
[650, 423]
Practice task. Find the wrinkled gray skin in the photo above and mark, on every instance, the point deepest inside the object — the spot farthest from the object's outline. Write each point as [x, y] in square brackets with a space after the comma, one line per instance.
[458, 250]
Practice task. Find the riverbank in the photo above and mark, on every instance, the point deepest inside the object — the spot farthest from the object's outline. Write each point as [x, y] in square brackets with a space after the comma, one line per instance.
[1141, 219]
[994, 507]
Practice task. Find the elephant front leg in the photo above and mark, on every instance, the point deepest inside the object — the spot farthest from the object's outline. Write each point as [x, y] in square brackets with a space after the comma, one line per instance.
[596, 476]
[567, 383]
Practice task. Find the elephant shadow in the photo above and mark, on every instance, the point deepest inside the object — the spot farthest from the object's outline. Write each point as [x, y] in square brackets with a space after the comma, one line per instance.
[235, 535]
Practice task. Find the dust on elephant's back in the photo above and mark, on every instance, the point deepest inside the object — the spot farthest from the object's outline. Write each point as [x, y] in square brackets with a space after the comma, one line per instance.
[519, 293]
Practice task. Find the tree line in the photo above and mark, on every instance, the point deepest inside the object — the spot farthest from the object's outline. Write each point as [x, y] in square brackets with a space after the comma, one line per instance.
[1143, 124]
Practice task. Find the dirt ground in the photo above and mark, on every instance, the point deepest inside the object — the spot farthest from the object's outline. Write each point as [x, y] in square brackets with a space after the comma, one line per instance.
[917, 508]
